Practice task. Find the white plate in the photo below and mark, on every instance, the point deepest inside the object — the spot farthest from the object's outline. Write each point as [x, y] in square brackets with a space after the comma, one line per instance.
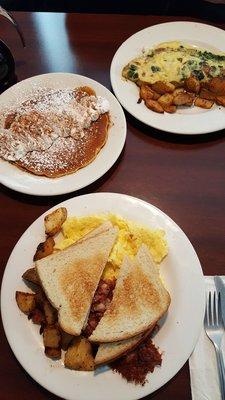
[181, 272]
[187, 121]
[24, 182]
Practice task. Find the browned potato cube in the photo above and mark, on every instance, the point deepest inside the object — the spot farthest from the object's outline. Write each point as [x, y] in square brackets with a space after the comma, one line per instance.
[154, 106]
[179, 90]
[145, 92]
[53, 222]
[79, 355]
[40, 298]
[217, 86]
[177, 84]
[52, 352]
[52, 337]
[220, 100]
[170, 109]
[66, 339]
[206, 94]
[25, 301]
[203, 103]
[50, 312]
[44, 249]
[192, 84]
[183, 99]
[156, 95]
[37, 316]
[163, 87]
[31, 276]
[165, 100]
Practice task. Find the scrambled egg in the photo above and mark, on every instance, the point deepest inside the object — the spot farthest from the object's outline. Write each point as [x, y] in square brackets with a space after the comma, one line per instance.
[130, 237]
[174, 61]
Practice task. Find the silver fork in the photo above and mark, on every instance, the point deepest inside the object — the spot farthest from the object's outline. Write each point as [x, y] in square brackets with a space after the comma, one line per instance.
[214, 329]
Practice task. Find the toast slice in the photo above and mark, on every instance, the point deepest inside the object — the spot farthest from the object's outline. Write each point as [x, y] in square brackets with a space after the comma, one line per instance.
[70, 277]
[108, 352]
[139, 300]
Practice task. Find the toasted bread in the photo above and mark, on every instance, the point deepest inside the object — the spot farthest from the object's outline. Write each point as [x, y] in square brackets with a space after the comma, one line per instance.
[139, 300]
[108, 352]
[70, 277]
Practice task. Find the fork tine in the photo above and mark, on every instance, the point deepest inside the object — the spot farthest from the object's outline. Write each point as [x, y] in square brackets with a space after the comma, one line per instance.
[219, 310]
[206, 319]
[210, 321]
[215, 309]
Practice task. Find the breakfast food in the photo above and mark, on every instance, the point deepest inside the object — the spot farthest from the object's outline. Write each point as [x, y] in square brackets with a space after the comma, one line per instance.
[70, 277]
[55, 132]
[175, 74]
[138, 292]
[100, 284]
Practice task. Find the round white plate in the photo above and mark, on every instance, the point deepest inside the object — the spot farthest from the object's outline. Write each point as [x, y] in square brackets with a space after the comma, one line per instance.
[24, 182]
[181, 272]
[187, 121]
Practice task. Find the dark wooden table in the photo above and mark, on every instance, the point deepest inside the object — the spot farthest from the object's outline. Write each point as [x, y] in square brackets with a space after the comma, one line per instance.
[183, 176]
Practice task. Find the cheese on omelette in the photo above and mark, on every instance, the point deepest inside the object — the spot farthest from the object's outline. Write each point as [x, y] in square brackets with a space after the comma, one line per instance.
[130, 237]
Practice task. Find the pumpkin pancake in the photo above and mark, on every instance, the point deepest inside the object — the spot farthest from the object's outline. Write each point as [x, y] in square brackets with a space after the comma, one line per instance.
[56, 132]
[67, 155]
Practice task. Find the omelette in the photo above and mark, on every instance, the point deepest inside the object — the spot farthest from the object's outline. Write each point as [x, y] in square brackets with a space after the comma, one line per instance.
[130, 238]
[175, 62]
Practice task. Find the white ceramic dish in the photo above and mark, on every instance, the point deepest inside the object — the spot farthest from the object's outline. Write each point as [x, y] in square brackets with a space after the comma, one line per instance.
[189, 121]
[181, 272]
[24, 182]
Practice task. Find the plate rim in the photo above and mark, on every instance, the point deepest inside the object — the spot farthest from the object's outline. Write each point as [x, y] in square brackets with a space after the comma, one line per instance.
[48, 181]
[114, 78]
[13, 347]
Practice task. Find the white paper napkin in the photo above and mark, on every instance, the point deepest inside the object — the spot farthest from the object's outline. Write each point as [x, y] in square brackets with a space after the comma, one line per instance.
[203, 365]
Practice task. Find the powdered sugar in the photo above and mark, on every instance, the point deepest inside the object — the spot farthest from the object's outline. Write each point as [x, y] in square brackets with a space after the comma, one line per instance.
[39, 123]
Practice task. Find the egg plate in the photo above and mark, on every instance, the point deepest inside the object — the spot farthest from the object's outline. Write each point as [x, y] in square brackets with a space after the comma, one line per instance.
[188, 121]
[180, 270]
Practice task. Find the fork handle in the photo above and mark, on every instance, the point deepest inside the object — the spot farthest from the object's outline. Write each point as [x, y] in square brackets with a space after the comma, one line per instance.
[221, 371]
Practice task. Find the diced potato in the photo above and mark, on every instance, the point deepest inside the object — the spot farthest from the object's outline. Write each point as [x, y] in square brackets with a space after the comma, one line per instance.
[50, 312]
[31, 276]
[217, 86]
[40, 298]
[25, 301]
[66, 339]
[52, 352]
[165, 100]
[183, 99]
[52, 337]
[178, 84]
[206, 94]
[154, 106]
[170, 109]
[79, 355]
[53, 222]
[37, 316]
[44, 249]
[146, 92]
[220, 100]
[192, 84]
[163, 87]
[203, 103]
[156, 95]
[179, 90]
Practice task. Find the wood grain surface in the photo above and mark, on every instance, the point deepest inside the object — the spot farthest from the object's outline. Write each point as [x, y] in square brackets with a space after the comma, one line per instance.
[183, 176]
